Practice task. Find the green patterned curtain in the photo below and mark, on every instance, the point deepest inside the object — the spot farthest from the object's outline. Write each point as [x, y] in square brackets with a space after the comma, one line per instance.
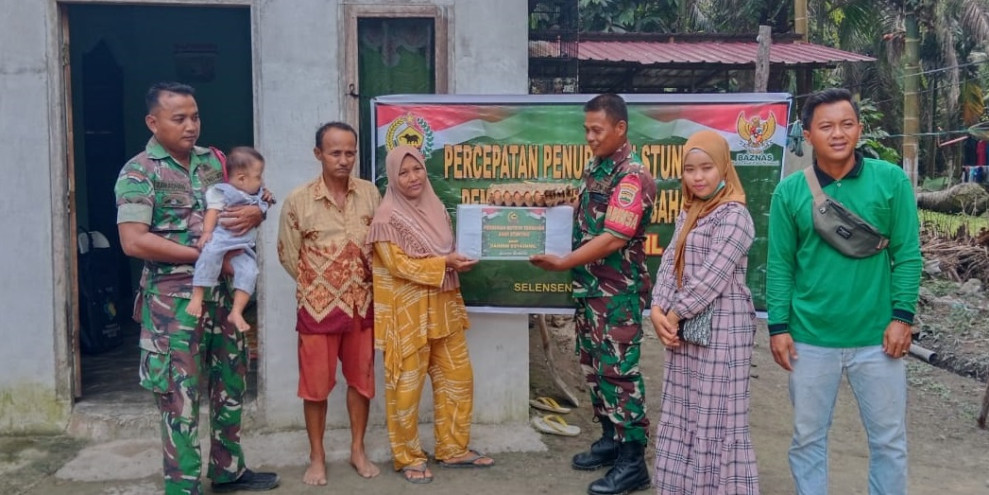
[395, 56]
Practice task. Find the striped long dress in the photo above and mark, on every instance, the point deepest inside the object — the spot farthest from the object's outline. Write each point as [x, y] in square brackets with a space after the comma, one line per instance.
[703, 445]
[421, 329]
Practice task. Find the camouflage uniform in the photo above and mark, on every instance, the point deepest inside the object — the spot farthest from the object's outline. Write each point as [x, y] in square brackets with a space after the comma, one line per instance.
[177, 350]
[616, 196]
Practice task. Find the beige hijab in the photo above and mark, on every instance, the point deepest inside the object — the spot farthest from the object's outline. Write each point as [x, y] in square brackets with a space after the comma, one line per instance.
[716, 147]
[420, 226]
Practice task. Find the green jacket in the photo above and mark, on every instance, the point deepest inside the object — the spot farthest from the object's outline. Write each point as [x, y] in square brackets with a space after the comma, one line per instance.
[824, 298]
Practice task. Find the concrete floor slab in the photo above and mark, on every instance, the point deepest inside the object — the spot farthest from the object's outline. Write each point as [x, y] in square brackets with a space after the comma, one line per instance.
[135, 459]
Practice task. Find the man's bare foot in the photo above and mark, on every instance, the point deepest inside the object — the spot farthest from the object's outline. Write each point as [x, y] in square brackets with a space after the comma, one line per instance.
[194, 308]
[238, 320]
[315, 474]
[364, 467]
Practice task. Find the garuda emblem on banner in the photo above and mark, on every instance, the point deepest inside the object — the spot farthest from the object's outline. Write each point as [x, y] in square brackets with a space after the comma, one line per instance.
[412, 130]
[756, 133]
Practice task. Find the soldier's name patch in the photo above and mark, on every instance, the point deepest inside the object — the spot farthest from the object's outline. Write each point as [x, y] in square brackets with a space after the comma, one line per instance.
[627, 193]
[211, 177]
[168, 186]
[598, 186]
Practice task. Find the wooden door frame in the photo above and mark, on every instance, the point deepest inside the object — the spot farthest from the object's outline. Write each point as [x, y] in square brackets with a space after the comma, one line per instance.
[442, 22]
[64, 267]
[65, 293]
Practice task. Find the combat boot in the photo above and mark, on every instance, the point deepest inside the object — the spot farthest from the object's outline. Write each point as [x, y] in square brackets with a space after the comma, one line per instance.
[629, 474]
[603, 452]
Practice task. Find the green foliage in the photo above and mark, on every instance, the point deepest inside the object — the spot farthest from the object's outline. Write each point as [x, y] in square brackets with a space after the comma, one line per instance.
[683, 16]
[876, 149]
[952, 35]
[871, 142]
[935, 183]
[972, 103]
[624, 16]
[951, 226]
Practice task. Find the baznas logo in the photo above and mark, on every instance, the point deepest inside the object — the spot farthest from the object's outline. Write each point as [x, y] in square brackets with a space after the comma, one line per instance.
[412, 130]
[756, 134]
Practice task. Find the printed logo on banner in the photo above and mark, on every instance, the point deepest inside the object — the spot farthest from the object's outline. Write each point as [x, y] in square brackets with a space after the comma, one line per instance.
[757, 136]
[412, 130]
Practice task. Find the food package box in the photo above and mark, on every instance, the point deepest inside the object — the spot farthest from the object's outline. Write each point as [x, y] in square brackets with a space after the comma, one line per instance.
[513, 232]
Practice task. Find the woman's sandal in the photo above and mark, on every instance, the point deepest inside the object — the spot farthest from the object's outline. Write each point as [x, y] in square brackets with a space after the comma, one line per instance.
[408, 474]
[471, 461]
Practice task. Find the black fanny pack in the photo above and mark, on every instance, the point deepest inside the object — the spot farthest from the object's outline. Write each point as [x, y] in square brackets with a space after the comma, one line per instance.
[840, 227]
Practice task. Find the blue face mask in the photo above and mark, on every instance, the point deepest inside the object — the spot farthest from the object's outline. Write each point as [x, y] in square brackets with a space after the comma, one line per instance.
[721, 185]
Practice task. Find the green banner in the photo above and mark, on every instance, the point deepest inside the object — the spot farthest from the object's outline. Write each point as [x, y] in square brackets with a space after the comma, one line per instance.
[471, 142]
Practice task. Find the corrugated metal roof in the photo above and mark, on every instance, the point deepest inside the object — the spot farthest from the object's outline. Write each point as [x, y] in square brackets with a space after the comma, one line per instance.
[714, 52]
[699, 52]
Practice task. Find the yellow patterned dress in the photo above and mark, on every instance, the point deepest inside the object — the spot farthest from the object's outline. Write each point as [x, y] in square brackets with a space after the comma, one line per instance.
[421, 331]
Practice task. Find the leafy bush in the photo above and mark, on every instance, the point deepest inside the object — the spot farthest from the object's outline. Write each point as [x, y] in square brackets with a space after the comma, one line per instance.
[871, 142]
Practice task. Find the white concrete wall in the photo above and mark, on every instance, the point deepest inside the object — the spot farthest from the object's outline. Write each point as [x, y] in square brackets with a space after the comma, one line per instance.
[491, 47]
[299, 66]
[28, 399]
[301, 85]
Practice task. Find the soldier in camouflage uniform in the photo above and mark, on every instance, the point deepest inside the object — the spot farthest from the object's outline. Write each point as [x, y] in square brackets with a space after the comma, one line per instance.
[160, 208]
[611, 290]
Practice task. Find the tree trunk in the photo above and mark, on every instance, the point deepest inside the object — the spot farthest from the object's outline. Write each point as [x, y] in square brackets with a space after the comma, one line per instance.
[968, 197]
[765, 39]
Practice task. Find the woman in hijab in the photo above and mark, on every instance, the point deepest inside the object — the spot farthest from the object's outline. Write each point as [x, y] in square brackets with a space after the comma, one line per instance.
[420, 319]
[703, 444]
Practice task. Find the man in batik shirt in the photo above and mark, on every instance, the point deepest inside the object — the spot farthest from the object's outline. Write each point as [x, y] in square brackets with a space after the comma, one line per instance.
[321, 244]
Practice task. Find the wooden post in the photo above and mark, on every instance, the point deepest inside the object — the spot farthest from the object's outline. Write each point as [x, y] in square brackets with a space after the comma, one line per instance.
[800, 18]
[911, 109]
[765, 39]
[547, 341]
[70, 199]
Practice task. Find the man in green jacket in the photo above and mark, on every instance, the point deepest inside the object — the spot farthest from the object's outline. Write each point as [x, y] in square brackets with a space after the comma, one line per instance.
[830, 314]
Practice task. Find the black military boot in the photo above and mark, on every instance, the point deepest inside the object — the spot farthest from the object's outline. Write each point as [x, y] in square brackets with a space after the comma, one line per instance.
[603, 452]
[629, 474]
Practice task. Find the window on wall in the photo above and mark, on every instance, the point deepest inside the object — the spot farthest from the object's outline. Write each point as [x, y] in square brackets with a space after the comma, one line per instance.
[394, 56]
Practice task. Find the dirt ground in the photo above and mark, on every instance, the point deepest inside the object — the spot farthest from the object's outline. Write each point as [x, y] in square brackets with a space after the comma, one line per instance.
[952, 322]
[948, 453]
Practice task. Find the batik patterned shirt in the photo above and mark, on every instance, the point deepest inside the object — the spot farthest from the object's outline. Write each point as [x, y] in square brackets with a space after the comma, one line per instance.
[322, 246]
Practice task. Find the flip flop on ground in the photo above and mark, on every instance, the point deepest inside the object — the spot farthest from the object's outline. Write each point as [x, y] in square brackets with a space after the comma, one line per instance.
[548, 404]
[416, 473]
[554, 424]
[474, 459]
